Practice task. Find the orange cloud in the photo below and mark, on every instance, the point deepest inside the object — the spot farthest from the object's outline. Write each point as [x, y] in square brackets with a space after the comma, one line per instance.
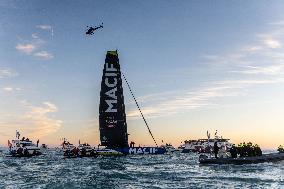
[34, 123]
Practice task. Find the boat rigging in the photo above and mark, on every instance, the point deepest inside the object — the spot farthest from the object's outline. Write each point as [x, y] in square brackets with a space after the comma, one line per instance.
[139, 108]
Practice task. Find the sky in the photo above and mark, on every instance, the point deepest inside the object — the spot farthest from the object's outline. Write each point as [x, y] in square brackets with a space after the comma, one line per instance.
[193, 66]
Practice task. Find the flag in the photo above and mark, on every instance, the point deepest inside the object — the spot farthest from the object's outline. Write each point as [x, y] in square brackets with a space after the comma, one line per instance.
[9, 144]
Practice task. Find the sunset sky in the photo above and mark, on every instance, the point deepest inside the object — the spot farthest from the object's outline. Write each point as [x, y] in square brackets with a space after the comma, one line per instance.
[193, 66]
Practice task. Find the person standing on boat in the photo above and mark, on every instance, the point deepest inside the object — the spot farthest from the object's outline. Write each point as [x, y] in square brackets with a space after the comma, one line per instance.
[233, 151]
[132, 144]
[280, 149]
[18, 134]
[83, 152]
[258, 150]
[216, 149]
[75, 151]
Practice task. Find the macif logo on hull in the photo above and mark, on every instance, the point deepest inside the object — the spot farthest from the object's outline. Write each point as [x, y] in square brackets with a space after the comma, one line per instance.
[141, 150]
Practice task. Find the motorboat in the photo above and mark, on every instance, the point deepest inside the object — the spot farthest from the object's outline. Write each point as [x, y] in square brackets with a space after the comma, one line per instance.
[169, 148]
[66, 145]
[23, 147]
[104, 151]
[272, 157]
[205, 145]
[85, 150]
[69, 149]
[44, 146]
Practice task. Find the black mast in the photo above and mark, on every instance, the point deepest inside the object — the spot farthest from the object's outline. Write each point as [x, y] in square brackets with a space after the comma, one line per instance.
[112, 118]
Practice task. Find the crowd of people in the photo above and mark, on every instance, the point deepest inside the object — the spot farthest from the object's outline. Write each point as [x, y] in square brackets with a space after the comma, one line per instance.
[242, 150]
[280, 149]
[76, 152]
[23, 151]
[249, 150]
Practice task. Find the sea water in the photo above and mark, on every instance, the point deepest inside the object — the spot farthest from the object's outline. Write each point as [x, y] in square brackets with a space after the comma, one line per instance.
[137, 171]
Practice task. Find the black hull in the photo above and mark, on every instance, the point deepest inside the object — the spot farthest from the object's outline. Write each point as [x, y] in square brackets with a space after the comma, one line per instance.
[185, 151]
[19, 156]
[70, 154]
[274, 157]
[79, 156]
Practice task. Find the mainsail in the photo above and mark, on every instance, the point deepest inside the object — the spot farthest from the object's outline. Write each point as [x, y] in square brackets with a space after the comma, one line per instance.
[112, 118]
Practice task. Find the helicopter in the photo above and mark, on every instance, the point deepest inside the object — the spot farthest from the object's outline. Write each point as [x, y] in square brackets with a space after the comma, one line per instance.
[91, 30]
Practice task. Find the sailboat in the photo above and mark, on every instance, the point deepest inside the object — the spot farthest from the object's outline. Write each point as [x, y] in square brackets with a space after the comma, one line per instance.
[112, 117]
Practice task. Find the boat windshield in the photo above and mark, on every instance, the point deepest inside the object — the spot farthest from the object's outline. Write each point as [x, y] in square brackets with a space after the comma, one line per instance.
[24, 143]
[15, 141]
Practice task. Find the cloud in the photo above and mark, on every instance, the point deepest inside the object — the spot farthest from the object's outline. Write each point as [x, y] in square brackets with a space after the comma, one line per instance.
[26, 48]
[11, 89]
[253, 64]
[8, 89]
[262, 60]
[182, 101]
[35, 45]
[44, 27]
[278, 23]
[253, 48]
[263, 57]
[272, 43]
[37, 117]
[5, 73]
[267, 41]
[230, 58]
[44, 55]
[30, 46]
[32, 121]
[266, 70]
[35, 36]
[250, 82]
[47, 28]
